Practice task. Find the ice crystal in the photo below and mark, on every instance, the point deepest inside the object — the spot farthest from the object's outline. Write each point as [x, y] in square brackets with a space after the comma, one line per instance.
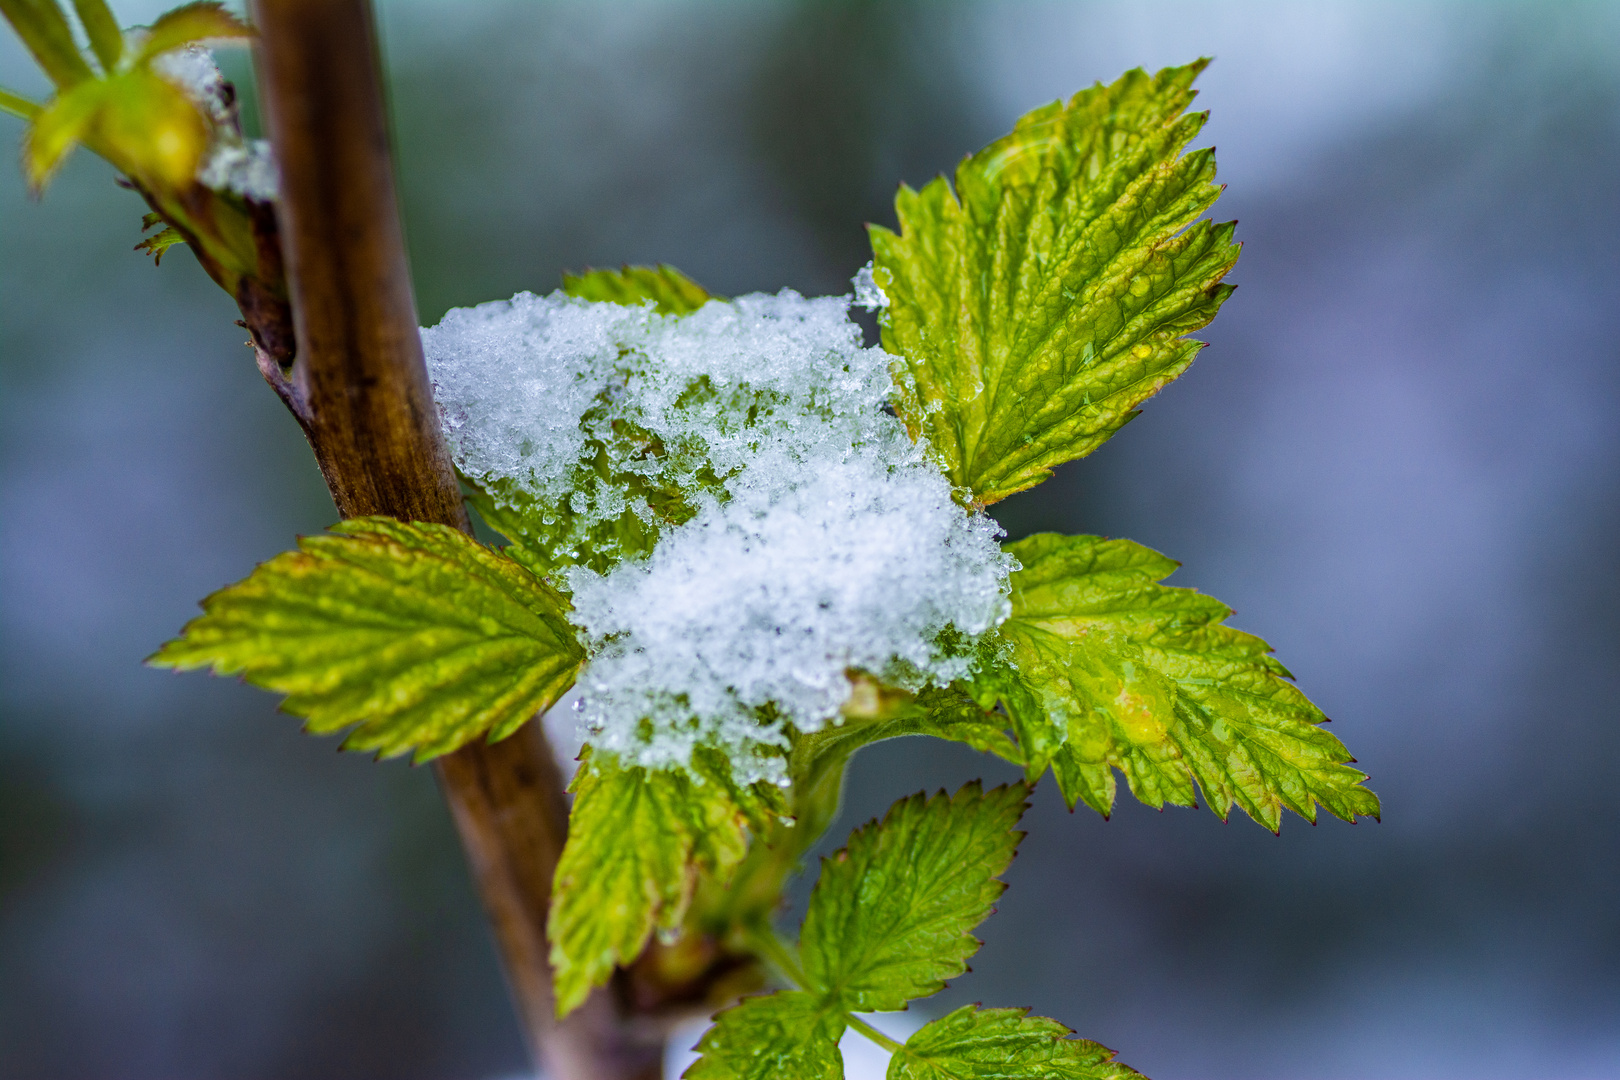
[868, 293]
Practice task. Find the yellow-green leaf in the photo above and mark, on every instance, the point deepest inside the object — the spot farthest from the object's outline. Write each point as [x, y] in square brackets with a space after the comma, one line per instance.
[672, 292]
[421, 637]
[1116, 671]
[65, 121]
[150, 129]
[1032, 310]
[1002, 1044]
[191, 24]
[138, 121]
[106, 39]
[784, 1036]
[637, 841]
[44, 30]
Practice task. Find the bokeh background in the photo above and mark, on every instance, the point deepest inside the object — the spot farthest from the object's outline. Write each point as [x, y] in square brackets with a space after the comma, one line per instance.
[1398, 461]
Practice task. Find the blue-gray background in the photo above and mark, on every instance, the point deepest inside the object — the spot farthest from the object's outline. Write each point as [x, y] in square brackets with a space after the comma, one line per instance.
[1397, 460]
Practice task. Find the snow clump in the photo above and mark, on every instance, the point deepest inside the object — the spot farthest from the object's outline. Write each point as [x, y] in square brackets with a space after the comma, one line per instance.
[245, 167]
[739, 518]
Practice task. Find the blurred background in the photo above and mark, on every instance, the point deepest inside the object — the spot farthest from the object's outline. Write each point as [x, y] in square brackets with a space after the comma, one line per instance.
[1398, 461]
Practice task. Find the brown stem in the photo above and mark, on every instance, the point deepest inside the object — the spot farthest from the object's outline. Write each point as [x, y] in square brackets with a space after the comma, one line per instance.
[359, 387]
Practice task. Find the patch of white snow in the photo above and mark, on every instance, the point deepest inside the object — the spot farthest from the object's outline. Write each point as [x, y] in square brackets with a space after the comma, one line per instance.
[817, 537]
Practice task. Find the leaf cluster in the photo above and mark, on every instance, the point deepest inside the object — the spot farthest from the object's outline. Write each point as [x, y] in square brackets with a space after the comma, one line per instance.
[1031, 308]
[114, 99]
[890, 921]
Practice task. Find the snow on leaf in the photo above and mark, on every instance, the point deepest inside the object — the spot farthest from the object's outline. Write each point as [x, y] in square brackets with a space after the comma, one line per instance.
[739, 520]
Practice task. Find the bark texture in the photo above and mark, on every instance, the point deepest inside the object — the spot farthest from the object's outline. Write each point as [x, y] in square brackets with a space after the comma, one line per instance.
[358, 385]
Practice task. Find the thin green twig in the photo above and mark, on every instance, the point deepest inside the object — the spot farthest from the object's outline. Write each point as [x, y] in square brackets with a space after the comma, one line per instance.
[857, 1024]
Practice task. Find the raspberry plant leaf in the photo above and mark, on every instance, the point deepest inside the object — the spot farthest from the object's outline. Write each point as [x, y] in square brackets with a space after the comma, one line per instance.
[129, 114]
[1035, 307]
[106, 39]
[160, 242]
[791, 1035]
[1116, 671]
[420, 637]
[637, 841]
[672, 292]
[45, 32]
[190, 24]
[890, 916]
[1002, 1044]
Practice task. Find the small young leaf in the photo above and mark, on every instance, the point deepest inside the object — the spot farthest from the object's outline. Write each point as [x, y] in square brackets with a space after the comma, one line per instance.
[192, 24]
[44, 30]
[106, 39]
[875, 712]
[889, 919]
[951, 714]
[64, 122]
[526, 540]
[636, 842]
[784, 1036]
[1035, 308]
[156, 244]
[1002, 1044]
[150, 129]
[422, 637]
[1117, 671]
[138, 121]
[672, 292]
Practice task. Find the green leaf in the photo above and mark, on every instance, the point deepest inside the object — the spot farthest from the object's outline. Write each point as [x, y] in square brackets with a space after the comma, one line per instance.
[1002, 1044]
[1035, 308]
[875, 712]
[526, 538]
[44, 30]
[672, 292]
[150, 129]
[156, 244]
[889, 919]
[64, 122]
[106, 39]
[951, 714]
[422, 637]
[637, 840]
[192, 24]
[785, 1036]
[1114, 670]
[138, 121]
